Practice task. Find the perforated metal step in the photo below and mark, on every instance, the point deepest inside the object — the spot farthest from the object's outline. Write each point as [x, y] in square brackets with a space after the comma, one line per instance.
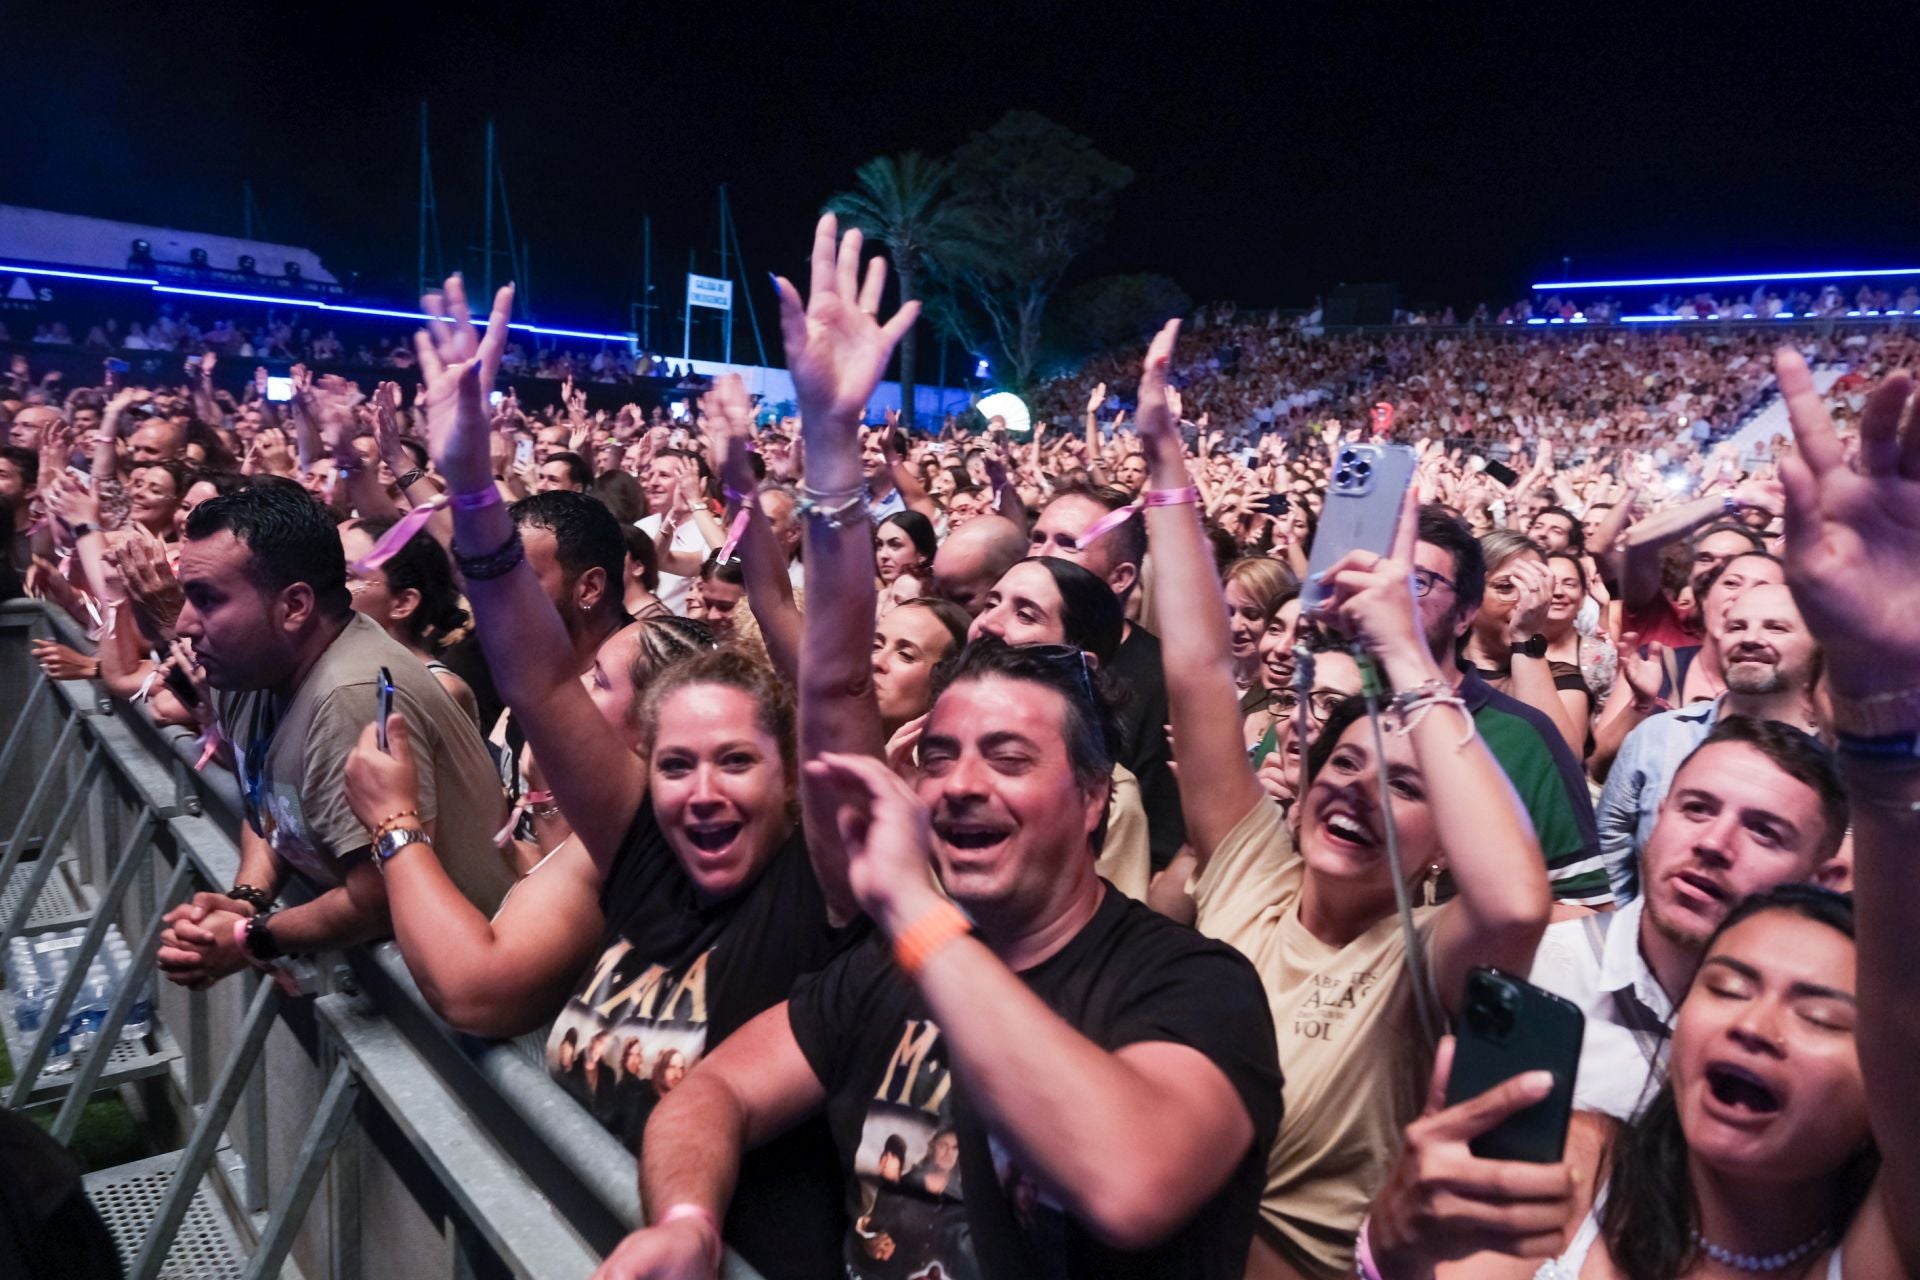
[57, 907]
[128, 1197]
[128, 1060]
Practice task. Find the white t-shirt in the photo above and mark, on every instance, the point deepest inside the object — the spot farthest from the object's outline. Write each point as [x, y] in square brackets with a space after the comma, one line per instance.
[686, 539]
[1623, 1055]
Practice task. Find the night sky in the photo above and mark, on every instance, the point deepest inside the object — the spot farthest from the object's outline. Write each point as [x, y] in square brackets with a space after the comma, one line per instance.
[1278, 149]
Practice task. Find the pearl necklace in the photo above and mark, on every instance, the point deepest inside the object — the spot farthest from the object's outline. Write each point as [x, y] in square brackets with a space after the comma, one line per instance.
[1763, 1262]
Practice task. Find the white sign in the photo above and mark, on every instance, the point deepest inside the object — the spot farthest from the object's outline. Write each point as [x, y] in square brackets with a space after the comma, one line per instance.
[707, 291]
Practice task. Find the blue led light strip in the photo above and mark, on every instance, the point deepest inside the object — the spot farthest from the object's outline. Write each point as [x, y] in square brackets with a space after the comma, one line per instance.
[314, 303]
[1551, 286]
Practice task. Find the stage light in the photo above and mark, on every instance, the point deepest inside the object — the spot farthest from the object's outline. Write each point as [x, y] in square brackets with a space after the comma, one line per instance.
[1551, 286]
[198, 257]
[246, 264]
[1008, 407]
[293, 271]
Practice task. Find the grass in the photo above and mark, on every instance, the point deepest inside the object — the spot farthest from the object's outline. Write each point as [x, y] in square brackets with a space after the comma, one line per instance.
[107, 1134]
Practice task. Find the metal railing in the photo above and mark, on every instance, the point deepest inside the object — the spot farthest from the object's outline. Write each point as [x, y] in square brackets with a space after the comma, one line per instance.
[346, 1135]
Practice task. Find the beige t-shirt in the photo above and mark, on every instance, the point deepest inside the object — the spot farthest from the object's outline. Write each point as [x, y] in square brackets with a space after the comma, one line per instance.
[292, 763]
[1354, 1061]
[1126, 861]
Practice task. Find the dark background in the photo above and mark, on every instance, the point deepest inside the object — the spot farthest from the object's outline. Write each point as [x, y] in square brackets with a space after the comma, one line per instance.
[1457, 150]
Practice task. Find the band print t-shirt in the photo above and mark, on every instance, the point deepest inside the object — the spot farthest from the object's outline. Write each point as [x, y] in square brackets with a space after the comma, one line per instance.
[675, 976]
[931, 1192]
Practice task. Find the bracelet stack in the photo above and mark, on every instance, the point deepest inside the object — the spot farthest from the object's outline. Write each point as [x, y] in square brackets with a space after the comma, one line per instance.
[835, 510]
[1411, 704]
[392, 821]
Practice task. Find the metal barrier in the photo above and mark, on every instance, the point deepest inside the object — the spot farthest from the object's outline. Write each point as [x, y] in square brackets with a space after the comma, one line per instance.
[347, 1135]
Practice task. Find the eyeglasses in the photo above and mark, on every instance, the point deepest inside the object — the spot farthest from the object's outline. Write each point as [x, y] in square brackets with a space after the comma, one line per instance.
[1320, 703]
[1425, 580]
[1066, 655]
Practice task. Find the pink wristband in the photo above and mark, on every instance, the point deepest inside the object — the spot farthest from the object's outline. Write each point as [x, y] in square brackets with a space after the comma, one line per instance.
[703, 1215]
[1170, 497]
[478, 499]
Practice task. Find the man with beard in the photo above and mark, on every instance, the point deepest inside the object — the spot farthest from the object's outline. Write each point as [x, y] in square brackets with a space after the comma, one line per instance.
[1769, 663]
[1758, 804]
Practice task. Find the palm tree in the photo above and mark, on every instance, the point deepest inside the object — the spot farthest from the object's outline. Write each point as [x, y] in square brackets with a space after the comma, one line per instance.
[901, 201]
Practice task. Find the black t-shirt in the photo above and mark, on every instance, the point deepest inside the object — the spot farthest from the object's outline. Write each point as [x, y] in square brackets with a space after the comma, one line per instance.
[1136, 669]
[927, 1186]
[676, 976]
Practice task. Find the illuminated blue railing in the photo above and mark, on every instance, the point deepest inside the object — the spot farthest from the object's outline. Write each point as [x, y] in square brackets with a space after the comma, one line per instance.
[283, 300]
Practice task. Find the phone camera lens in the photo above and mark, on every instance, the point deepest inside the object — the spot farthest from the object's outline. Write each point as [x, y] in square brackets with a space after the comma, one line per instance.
[1363, 469]
[1343, 477]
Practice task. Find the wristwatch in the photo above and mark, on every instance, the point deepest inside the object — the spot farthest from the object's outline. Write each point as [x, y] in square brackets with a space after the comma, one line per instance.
[259, 939]
[1534, 646]
[396, 840]
[81, 530]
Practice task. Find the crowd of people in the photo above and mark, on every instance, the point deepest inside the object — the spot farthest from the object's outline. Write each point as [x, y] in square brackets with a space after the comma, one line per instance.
[292, 336]
[967, 854]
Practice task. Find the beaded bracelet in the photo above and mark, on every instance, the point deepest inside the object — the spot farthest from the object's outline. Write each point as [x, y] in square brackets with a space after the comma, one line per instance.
[389, 822]
[493, 564]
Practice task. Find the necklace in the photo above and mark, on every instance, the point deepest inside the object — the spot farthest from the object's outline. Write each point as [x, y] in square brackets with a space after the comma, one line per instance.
[1762, 1262]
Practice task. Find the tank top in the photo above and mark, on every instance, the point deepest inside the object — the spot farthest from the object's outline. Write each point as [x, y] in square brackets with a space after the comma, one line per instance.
[1567, 1265]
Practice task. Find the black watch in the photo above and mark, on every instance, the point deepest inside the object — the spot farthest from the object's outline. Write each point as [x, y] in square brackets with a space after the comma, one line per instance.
[81, 530]
[1534, 646]
[260, 943]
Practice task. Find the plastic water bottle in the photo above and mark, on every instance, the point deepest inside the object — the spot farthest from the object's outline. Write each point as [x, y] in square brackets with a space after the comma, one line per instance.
[95, 995]
[61, 1058]
[29, 1001]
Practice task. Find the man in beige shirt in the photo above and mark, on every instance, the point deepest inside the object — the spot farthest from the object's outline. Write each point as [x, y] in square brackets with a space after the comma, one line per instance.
[267, 610]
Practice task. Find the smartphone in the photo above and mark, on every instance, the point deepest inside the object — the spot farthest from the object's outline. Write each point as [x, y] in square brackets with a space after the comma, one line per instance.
[1506, 1027]
[279, 390]
[522, 453]
[385, 693]
[1362, 509]
[114, 364]
[1272, 505]
[1500, 471]
[182, 688]
[494, 398]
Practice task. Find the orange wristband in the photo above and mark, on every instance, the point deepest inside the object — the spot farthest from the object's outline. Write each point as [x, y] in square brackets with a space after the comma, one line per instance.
[919, 941]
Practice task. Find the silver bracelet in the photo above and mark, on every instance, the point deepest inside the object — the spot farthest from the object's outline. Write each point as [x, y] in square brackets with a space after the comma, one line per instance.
[835, 516]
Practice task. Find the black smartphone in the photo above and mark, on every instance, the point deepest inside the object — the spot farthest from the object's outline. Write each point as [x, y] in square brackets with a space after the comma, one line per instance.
[1500, 471]
[386, 708]
[182, 688]
[1506, 1027]
[1271, 505]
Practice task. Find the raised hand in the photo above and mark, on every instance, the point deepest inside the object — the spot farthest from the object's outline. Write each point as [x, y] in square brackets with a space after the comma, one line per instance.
[385, 407]
[731, 411]
[1535, 592]
[837, 349]
[1157, 418]
[457, 368]
[887, 836]
[1853, 535]
[141, 560]
[1097, 398]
